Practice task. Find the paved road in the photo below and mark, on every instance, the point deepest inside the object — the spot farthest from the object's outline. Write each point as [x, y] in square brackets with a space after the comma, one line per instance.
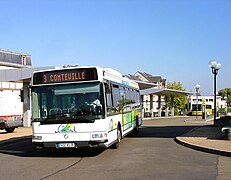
[152, 154]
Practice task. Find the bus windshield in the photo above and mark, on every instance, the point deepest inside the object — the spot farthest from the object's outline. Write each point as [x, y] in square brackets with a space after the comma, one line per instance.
[67, 103]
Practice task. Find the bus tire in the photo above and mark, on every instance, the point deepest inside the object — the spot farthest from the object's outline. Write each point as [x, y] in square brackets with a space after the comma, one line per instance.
[119, 137]
[136, 129]
[10, 130]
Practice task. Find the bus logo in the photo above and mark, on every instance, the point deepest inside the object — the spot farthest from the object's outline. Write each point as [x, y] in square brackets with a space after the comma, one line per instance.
[66, 128]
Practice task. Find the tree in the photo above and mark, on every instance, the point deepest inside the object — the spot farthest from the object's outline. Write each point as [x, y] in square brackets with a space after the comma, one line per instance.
[225, 93]
[179, 100]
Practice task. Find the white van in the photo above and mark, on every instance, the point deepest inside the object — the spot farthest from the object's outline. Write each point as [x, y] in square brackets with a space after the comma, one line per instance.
[10, 110]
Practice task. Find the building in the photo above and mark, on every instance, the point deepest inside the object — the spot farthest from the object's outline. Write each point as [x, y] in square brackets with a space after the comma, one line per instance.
[155, 94]
[11, 104]
[208, 100]
[10, 59]
[15, 77]
[155, 82]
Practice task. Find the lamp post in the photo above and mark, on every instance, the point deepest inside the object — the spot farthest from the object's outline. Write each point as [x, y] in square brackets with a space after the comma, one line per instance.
[226, 107]
[197, 87]
[215, 68]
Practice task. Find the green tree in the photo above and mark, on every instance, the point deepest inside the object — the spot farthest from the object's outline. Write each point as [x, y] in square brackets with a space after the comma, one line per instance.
[225, 93]
[179, 100]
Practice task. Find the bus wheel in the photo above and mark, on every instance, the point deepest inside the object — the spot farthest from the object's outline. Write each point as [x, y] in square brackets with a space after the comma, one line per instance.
[136, 129]
[119, 137]
[9, 130]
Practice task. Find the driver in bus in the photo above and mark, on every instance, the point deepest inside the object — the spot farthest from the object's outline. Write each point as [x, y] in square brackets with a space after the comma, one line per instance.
[94, 102]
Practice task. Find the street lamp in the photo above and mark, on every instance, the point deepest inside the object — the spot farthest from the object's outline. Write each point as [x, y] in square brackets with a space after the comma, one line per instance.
[226, 105]
[197, 87]
[215, 68]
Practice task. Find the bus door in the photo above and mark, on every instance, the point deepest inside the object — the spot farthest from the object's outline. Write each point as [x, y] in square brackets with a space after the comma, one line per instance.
[126, 108]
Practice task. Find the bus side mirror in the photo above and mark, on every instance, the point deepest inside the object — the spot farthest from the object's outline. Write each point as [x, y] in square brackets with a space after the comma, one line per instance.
[22, 95]
[107, 87]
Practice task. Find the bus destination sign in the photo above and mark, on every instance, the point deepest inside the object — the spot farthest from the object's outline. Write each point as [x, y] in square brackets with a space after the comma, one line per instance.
[66, 75]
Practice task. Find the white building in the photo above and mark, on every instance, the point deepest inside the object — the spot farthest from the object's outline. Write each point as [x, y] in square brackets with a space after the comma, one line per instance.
[15, 78]
[10, 92]
[209, 100]
[13, 60]
[156, 82]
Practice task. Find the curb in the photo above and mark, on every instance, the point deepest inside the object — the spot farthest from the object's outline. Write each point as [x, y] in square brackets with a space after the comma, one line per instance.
[200, 148]
[163, 117]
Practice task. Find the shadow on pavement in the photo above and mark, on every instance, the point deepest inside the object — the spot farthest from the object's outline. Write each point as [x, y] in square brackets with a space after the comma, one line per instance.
[24, 148]
[162, 131]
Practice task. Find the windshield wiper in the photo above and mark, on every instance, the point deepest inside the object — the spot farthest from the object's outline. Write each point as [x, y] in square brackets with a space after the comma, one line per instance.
[84, 119]
[66, 120]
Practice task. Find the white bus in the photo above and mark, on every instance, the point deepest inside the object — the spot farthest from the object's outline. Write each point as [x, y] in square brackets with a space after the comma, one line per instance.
[83, 107]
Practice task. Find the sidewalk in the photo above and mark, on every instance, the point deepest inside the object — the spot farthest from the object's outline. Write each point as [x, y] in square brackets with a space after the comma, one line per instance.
[206, 138]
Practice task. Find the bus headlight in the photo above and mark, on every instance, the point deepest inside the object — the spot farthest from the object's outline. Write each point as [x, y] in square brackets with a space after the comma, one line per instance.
[37, 137]
[98, 135]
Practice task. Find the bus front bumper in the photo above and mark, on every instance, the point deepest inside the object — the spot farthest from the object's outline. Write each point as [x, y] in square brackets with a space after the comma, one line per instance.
[68, 145]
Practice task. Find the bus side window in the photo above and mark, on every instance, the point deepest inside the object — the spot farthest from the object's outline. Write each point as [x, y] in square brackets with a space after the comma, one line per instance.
[107, 87]
[108, 96]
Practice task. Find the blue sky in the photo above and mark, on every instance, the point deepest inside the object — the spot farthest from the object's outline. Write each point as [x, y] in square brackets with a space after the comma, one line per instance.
[172, 38]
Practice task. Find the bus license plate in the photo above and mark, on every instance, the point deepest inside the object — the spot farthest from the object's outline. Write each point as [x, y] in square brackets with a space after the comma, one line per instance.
[66, 145]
